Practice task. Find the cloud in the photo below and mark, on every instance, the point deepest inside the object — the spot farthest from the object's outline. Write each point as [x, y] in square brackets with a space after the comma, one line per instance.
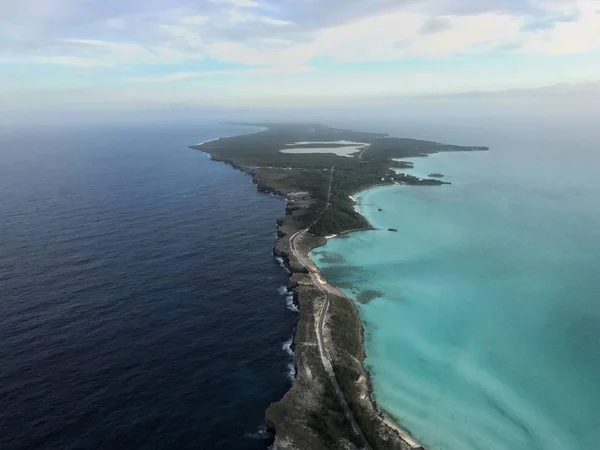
[311, 29]
[435, 25]
[549, 21]
[387, 37]
[293, 43]
[72, 61]
[180, 76]
[239, 3]
[364, 31]
[195, 20]
[108, 53]
[568, 36]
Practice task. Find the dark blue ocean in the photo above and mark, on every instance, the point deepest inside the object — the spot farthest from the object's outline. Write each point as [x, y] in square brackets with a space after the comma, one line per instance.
[139, 304]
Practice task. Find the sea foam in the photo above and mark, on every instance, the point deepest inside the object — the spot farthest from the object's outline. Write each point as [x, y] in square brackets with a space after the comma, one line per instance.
[282, 264]
[291, 304]
[289, 298]
[287, 347]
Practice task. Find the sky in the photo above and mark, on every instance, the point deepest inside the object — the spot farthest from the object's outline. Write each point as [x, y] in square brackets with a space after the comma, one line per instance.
[259, 53]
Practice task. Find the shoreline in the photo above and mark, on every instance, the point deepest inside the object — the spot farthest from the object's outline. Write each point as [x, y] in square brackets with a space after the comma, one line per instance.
[286, 227]
[384, 416]
[300, 274]
[331, 403]
[408, 441]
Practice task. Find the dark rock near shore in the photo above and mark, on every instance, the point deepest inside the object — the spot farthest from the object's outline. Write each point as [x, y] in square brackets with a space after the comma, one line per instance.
[436, 175]
[392, 229]
[368, 295]
[299, 279]
[330, 257]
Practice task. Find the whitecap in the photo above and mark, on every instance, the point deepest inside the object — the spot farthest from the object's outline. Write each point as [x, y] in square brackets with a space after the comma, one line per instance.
[283, 290]
[282, 264]
[291, 371]
[261, 434]
[291, 304]
[287, 346]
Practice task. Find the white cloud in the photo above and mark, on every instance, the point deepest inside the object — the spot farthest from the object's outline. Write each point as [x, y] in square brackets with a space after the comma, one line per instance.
[286, 43]
[72, 61]
[92, 53]
[239, 31]
[237, 16]
[278, 22]
[180, 76]
[184, 34]
[397, 35]
[387, 37]
[469, 34]
[195, 20]
[581, 36]
[240, 3]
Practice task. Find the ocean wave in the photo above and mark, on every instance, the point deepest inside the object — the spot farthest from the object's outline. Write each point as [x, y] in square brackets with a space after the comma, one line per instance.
[281, 262]
[289, 298]
[287, 346]
[291, 371]
[261, 434]
[291, 304]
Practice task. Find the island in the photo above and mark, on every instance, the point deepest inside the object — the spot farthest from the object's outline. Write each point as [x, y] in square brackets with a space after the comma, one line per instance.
[318, 169]
[436, 175]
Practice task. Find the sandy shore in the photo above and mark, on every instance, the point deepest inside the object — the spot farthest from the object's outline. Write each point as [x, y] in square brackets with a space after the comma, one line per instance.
[405, 435]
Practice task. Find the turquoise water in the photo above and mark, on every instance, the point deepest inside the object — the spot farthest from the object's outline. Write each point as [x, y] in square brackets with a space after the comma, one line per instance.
[486, 331]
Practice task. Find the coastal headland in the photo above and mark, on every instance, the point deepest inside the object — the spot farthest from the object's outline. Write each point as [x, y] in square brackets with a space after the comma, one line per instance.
[330, 404]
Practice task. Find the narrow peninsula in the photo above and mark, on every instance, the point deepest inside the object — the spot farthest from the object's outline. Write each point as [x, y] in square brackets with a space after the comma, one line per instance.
[317, 169]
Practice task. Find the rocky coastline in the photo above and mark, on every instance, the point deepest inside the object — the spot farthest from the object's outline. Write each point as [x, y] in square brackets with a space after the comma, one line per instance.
[308, 416]
[290, 417]
[330, 404]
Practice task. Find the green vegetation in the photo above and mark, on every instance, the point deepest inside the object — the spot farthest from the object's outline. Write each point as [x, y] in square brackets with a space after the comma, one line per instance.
[260, 154]
[319, 186]
[346, 332]
[330, 422]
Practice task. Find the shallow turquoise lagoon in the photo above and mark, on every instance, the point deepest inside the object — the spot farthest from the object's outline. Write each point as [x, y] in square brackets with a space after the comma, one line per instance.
[485, 334]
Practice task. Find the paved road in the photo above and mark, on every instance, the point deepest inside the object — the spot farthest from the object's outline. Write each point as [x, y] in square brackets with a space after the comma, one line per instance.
[360, 155]
[320, 284]
[325, 358]
[317, 282]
